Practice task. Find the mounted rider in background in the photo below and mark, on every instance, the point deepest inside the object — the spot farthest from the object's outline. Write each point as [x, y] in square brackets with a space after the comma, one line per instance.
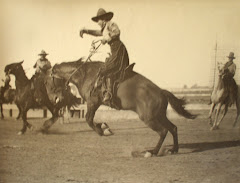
[229, 72]
[42, 66]
[118, 61]
[6, 86]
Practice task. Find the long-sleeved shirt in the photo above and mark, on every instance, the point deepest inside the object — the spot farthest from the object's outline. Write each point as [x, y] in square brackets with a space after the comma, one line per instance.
[42, 65]
[231, 67]
[110, 31]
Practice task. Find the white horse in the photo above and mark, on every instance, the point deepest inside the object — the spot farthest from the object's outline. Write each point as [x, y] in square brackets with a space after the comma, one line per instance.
[220, 100]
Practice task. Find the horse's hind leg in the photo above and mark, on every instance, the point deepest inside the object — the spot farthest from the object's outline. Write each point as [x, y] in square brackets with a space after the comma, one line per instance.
[238, 112]
[173, 130]
[162, 133]
[225, 110]
[162, 126]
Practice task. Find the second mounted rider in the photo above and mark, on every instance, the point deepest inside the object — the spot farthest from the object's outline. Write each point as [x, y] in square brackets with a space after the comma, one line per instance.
[42, 65]
[229, 70]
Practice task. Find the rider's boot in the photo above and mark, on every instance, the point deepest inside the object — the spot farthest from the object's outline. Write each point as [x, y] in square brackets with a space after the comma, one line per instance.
[107, 96]
[108, 93]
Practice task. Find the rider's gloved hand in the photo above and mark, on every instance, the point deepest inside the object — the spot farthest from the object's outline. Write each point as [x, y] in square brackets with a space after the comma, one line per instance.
[103, 41]
[82, 31]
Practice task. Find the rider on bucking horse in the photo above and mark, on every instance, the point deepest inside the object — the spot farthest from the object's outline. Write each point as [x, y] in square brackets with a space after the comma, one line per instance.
[229, 71]
[118, 61]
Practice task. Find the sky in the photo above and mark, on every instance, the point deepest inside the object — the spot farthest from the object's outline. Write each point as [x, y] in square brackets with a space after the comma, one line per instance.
[172, 42]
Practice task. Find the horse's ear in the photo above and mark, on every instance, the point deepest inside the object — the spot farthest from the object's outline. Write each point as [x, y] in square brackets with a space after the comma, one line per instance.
[21, 62]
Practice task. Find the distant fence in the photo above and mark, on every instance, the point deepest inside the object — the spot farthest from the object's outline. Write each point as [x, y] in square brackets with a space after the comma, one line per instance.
[11, 110]
[192, 96]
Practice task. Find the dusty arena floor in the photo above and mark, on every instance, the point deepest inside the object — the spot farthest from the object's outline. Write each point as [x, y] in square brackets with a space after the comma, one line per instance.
[73, 153]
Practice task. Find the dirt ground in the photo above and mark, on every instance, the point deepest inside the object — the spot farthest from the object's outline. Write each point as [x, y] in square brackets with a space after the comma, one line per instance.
[73, 153]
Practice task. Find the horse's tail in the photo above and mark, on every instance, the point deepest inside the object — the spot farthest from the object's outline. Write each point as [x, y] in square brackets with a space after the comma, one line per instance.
[178, 105]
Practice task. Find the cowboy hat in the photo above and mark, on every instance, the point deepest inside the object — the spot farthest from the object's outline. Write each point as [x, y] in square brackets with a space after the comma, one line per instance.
[231, 55]
[43, 53]
[102, 14]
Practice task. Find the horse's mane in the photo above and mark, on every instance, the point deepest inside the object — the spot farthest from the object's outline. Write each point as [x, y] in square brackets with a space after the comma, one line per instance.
[75, 62]
[79, 61]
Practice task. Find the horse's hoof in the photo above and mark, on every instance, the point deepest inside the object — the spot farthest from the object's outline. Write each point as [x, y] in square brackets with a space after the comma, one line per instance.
[148, 154]
[42, 131]
[107, 132]
[20, 133]
[173, 151]
[31, 128]
[212, 128]
[104, 126]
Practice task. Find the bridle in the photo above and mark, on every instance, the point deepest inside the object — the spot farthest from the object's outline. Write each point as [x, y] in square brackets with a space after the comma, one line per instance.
[54, 77]
[92, 51]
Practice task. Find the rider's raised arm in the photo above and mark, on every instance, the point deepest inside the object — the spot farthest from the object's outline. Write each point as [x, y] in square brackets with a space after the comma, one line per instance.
[90, 32]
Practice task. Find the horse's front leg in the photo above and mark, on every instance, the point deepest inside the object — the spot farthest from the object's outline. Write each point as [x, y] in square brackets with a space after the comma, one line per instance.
[210, 113]
[48, 123]
[214, 127]
[223, 115]
[25, 123]
[100, 128]
[2, 116]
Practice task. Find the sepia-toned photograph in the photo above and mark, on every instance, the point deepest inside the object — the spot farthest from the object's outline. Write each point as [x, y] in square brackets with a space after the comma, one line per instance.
[103, 91]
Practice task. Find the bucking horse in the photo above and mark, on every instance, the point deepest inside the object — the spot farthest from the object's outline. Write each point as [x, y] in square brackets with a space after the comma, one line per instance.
[135, 93]
[33, 93]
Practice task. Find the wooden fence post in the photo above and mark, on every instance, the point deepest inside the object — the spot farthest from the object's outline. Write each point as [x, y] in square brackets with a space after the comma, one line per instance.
[83, 113]
[44, 113]
[10, 112]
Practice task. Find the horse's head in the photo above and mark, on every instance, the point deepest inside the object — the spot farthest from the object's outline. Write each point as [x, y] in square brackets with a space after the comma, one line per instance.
[13, 68]
[56, 89]
[221, 70]
[61, 75]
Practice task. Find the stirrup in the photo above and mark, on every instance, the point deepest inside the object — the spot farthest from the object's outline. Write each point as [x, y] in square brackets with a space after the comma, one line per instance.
[109, 94]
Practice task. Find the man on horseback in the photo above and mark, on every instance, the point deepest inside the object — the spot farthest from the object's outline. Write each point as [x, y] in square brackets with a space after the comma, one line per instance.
[118, 61]
[5, 87]
[42, 64]
[229, 70]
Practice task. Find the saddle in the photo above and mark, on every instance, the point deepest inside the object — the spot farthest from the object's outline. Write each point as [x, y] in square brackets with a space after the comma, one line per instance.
[101, 83]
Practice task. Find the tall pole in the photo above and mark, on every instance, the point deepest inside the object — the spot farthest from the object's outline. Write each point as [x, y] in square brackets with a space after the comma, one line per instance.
[215, 64]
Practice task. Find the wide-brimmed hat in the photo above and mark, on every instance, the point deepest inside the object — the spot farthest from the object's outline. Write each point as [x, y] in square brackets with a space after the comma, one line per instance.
[231, 55]
[43, 53]
[102, 14]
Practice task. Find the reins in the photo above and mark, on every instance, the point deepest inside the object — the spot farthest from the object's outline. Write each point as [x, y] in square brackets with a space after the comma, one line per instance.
[93, 50]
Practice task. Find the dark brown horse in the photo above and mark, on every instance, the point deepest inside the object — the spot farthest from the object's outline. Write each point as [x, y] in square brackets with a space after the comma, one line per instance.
[29, 98]
[136, 93]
